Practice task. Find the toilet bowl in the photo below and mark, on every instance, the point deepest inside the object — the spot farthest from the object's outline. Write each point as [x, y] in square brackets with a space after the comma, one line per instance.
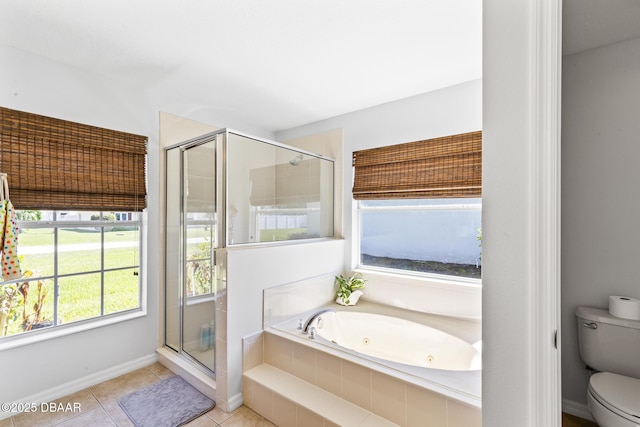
[610, 346]
[614, 400]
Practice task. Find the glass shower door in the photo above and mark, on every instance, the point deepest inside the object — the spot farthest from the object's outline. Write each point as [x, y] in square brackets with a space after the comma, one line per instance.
[189, 258]
[199, 242]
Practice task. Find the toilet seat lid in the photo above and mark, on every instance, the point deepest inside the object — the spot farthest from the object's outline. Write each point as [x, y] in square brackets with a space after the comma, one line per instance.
[620, 392]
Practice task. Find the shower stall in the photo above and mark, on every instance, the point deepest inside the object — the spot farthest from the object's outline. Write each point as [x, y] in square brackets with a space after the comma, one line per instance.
[223, 190]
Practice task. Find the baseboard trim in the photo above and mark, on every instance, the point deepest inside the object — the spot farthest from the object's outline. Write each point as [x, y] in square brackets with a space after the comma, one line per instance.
[71, 387]
[578, 409]
[235, 402]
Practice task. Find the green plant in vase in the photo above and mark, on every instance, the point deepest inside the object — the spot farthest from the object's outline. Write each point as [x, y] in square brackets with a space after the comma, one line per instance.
[349, 287]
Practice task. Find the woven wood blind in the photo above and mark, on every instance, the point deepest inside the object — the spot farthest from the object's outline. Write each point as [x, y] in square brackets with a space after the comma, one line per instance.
[449, 166]
[62, 165]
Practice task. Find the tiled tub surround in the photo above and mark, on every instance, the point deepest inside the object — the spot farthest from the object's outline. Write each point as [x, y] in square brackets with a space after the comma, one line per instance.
[461, 385]
[407, 396]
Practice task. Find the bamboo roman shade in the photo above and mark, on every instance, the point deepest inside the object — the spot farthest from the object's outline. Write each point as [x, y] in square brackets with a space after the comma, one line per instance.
[60, 165]
[449, 166]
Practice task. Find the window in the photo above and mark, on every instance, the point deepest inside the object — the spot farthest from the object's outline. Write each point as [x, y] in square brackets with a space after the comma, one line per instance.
[419, 206]
[277, 223]
[439, 236]
[75, 266]
[78, 193]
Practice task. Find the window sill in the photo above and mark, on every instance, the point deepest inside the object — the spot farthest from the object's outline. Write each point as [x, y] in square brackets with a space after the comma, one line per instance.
[442, 296]
[438, 280]
[33, 337]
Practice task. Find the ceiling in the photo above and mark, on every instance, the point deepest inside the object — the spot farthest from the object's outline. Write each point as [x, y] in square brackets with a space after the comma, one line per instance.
[276, 64]
[281, 63]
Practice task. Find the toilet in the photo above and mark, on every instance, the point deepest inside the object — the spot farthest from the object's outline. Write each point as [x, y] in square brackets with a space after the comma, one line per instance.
[611, 347]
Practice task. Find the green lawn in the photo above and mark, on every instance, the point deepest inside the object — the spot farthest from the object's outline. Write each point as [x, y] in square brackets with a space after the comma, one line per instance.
[79, 261]
[79, 297]
[44, 236]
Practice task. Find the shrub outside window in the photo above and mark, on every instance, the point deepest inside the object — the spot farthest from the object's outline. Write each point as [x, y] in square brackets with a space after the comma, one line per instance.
[199, 268]
[76, 265]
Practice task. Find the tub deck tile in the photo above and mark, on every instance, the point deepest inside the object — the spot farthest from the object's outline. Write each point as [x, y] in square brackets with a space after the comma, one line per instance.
[313, 398]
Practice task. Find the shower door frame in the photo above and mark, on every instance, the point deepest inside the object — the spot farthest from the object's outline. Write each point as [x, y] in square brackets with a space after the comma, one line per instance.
[219, 173]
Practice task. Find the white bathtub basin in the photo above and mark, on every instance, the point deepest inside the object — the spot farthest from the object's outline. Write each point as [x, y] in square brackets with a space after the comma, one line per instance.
[397, 340]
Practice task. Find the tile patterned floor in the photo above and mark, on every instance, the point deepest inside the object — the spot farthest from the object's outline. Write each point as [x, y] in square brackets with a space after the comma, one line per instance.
[99, 406]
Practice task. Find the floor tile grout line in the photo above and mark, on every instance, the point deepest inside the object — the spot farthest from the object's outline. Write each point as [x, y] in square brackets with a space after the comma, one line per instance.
[118, 397]
[82, 413]
[115, 423]
[112, 417]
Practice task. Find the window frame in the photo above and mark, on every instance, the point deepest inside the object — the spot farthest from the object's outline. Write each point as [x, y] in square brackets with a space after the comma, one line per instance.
[103, 318]
[438, 168]
[422, 277]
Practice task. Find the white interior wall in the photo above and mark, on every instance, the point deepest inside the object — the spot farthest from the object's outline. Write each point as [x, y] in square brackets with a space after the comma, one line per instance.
[509, 44]
[37, 85]
[600, 150]
[251, 270]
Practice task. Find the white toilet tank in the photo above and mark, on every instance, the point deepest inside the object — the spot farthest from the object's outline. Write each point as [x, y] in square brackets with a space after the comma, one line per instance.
[609, 343]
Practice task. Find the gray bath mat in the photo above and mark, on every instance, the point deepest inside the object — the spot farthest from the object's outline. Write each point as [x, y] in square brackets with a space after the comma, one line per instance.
[168, 403]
